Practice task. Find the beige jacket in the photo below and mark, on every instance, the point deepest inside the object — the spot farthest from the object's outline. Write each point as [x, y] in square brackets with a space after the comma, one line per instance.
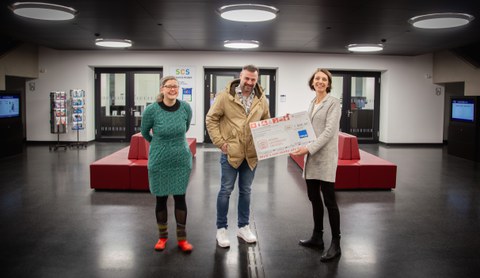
[321, 162]
[227, 122]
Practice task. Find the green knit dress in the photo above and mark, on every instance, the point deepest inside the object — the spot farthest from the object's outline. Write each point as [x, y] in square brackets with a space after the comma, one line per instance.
[169, 157]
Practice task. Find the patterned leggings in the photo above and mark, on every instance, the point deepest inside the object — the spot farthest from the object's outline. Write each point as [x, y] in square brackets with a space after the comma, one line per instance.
[161, 214]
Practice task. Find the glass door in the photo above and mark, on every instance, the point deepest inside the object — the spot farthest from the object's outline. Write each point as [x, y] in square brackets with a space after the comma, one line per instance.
[267, 79]
[121, 96]
[359, 93]
[362, 100]
[217, 79]
[146, 88]
[112, 106]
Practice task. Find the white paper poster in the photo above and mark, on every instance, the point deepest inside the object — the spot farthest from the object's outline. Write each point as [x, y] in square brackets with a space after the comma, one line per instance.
[186, 80]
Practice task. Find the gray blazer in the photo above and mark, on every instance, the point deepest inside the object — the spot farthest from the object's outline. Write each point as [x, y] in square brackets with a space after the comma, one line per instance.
[322, 159]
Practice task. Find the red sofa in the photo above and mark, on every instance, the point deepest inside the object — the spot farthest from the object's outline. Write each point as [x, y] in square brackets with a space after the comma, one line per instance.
[126, 169]
[358, 169]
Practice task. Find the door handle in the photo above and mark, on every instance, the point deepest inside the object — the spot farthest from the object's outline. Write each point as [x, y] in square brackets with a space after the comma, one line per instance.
[349, 113]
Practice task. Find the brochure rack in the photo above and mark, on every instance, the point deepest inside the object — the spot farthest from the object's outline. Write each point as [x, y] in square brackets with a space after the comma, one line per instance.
[58, 117]
[78, 115]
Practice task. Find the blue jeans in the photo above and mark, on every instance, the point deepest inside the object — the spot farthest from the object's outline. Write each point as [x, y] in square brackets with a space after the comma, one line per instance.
[229, 176]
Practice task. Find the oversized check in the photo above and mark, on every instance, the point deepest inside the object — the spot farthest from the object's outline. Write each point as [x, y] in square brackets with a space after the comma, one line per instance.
[281, 135]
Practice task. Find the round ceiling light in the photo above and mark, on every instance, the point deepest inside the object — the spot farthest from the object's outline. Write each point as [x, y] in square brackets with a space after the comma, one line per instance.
[241, 44]
[115, 43]
[248, 12]
[366, 47]
[440, 20]
[43, 11]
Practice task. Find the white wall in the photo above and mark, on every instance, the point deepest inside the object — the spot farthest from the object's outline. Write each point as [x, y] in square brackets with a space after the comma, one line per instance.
[21, 62]
[447, 68]
[410, 110]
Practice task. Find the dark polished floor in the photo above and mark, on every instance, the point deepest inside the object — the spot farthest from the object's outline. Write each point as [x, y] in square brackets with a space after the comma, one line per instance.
[54, 225]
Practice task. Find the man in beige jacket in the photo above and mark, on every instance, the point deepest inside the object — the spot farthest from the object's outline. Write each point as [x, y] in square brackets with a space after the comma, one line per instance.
[242, 102]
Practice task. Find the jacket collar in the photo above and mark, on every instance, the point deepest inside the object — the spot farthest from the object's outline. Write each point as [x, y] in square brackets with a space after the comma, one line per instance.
[321, 104]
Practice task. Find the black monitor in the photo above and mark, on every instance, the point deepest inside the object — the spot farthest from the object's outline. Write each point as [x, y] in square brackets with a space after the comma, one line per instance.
[10, 105]
[463, 109]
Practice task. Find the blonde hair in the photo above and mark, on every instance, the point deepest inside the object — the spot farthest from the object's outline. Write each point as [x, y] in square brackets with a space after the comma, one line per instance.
[160, 97]
[162, 83]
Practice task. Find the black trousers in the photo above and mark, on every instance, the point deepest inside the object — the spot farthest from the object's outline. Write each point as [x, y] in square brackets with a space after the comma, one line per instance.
[327, 189]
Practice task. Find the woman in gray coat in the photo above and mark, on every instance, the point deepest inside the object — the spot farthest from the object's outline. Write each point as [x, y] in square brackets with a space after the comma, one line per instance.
[321, 162]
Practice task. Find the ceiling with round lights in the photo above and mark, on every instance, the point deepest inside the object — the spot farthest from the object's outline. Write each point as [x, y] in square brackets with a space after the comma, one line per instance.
[299, 27]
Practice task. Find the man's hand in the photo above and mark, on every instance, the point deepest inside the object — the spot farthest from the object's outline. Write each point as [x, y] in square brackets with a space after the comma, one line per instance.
[224, 148]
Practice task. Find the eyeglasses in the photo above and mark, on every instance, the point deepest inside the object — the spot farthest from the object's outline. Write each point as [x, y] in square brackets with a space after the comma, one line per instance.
[171, 86]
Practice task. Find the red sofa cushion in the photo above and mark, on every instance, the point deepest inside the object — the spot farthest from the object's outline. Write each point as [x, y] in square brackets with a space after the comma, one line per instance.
[111, 172]
[347, 146]
[299, 159]
[138, 147]
[133, 150]
[376, 172]
[348, 175]
[139, 175]
[192, 143]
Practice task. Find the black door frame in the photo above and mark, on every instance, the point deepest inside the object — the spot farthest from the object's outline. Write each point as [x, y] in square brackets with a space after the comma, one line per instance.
[346, 96]
[129, 99]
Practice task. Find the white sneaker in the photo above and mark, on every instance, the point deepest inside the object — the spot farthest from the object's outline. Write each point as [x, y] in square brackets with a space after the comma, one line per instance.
[222, 238]
[247, 235]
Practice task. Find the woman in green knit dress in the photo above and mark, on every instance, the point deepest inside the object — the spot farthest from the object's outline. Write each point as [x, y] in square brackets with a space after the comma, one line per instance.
[164, 125]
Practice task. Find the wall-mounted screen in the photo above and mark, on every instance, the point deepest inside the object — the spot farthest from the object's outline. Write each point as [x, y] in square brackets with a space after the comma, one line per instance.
[463, 109]
[9, 106]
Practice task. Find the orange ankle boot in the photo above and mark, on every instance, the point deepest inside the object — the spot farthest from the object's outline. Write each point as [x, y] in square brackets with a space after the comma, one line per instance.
[161, 244]
[185, 246]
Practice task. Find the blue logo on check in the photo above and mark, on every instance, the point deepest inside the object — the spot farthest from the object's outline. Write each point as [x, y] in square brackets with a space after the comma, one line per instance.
[302, 133]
